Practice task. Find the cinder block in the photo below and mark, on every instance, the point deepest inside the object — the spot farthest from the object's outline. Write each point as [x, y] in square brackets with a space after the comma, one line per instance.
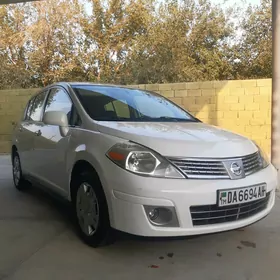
[231, 99]
[202, 114]
[265, 106]
[177, 100]
[142, 86]
[207, 85]
[194, 85]
[153, 87]
[252, 107]
[237, 91]
[268, 113]
[177, 86]
[194, 92]
[167, 93]
[252, 91]
[16, 98]
[235, 84]
[257, 121]
[215, 115]
[239, 129]
[242, 121]
[194, 107]
[221, 84]
[261, 98]
[264, 83]
[268, 121]
[164, 87]
[222, 91]
[223, 107]
[265, 90]
[248, 83]
[188, 101]
[237, 107]
[245, 99]
[202, 100]
[181, 93]
[259, 114]
[208, 92]
[210, 107]
[230, 115]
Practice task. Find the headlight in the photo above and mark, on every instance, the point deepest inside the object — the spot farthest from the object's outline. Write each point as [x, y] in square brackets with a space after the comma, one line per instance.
[263, 157]
[142, 161]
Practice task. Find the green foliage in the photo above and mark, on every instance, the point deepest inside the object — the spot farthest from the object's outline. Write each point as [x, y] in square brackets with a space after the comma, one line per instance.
[131, 41]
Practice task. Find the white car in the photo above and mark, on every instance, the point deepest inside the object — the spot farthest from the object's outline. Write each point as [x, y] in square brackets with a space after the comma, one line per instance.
[131, 160]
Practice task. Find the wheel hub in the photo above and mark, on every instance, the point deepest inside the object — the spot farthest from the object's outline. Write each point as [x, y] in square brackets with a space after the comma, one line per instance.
[16, 170]
[87, 209]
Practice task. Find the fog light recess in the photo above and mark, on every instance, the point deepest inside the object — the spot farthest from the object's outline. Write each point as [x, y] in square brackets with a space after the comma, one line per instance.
[162, 216]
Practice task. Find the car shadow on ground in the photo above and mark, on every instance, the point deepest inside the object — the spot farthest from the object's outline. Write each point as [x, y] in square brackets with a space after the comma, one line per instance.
[63, 211]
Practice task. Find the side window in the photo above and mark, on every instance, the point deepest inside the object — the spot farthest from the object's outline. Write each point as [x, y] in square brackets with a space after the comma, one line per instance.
[37, 108]
[121, 109]
[58, 100]
[118, 108]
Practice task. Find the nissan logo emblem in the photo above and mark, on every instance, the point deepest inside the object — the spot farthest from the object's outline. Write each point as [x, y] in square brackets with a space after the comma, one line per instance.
[235, 168]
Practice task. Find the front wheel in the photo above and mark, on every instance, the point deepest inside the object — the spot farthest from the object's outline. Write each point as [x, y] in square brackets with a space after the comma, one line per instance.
[91, 211]
[19, 181]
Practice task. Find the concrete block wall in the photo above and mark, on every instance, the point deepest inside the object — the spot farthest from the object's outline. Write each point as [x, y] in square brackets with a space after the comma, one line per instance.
[242, 106]
[12, 104]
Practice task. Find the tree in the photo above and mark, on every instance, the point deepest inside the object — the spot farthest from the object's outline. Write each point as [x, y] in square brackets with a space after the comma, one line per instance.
[111, 32]
[253, 54]
[54, 41]
[132, 41]
[185, 41]
[12, 55]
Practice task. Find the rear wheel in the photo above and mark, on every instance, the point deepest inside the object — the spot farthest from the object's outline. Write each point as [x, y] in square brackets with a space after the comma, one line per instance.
[91, 211]
[19, 181]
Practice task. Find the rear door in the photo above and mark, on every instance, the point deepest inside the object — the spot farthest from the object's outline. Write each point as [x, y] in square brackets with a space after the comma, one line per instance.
[23, 138]
[51, 147]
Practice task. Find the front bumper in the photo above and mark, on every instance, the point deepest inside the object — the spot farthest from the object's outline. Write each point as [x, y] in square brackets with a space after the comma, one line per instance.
[128, 193]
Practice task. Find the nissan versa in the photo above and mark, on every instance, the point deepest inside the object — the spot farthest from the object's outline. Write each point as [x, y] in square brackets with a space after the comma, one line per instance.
[131, 160]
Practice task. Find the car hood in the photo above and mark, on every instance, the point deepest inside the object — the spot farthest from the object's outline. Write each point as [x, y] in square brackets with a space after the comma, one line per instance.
[181, 139]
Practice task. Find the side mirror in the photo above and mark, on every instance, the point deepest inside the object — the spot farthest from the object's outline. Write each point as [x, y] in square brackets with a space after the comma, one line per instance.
[57, 118]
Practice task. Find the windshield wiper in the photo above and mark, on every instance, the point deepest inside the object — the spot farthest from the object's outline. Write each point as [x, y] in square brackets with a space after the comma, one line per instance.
[175, 119]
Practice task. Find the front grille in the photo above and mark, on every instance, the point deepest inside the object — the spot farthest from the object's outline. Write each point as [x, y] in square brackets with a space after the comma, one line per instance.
[213, 214]
[252, 163]
[205, 169]
[214, 168]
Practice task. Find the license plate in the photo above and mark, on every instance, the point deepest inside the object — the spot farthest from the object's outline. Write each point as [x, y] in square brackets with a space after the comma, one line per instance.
[241, 195]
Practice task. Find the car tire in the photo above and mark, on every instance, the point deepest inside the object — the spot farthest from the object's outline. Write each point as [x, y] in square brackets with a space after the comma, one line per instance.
[19, 181]
[91, 210]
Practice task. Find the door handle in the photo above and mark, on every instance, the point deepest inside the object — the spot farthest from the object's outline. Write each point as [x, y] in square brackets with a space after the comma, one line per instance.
[38, 133]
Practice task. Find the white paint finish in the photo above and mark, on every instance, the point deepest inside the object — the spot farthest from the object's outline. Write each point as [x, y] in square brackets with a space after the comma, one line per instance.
[181, 139]
[52, 157]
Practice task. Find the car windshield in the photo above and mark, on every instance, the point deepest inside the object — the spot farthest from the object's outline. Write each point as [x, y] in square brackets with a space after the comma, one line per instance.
[108, 103]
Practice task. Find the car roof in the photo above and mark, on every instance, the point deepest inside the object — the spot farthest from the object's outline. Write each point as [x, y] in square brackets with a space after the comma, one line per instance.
[90, 84]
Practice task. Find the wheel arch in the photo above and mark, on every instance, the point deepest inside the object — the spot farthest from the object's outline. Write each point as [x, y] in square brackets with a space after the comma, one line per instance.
[80, 166]
[84, 165]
